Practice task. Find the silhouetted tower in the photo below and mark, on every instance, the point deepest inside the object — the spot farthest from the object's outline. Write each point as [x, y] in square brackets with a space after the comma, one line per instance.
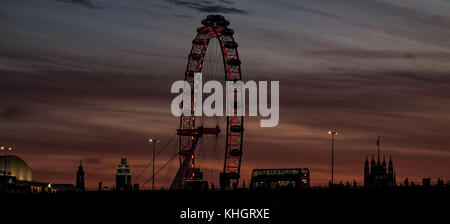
[123, 176]
[378, 145]
[391, 172]
[366, 171]
[379, 175]
[372, 163]
[80, 178]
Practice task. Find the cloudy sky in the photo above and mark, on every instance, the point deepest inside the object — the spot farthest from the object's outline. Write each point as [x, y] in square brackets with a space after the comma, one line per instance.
[90, 80]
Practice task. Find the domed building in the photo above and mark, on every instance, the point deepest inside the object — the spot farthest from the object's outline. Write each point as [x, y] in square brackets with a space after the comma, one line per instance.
[16, 167]
[19, 178]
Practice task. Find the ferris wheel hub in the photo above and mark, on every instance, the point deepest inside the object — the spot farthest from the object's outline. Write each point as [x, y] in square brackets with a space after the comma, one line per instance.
[215, 20]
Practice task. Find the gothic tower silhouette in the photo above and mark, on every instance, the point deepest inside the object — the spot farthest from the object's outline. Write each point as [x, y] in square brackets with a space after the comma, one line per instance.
[378, 175]
[80, 178]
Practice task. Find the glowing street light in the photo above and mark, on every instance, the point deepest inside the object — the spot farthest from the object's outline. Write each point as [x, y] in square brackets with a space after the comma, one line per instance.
[154, 141]
[5, 149]
[332, 133]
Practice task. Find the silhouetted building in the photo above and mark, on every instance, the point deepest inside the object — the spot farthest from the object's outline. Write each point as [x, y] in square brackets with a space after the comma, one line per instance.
[426, 182]
[440, 182]
[80, 178]
[196, 182]
[377, 175]
[280, 178]
[15, 167]
[123, 176]
[19, 178]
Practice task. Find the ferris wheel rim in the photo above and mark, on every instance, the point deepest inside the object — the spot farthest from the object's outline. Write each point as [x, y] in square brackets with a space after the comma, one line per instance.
[216, 27]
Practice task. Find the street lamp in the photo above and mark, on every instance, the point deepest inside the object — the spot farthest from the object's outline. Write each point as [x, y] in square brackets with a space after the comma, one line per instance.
[5, 149]
[332, 133]
[154, 141]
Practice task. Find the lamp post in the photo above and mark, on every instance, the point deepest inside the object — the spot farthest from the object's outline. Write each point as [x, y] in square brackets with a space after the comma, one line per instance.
[154, 141]
[332, 133]
[5, 149]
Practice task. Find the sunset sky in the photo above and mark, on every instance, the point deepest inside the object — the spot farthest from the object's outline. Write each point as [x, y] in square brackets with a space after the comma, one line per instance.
[90, 80]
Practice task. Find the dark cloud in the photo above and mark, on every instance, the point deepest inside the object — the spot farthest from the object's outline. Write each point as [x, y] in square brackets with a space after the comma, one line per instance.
[151, 14]
[86, 3]
[185, 16]
[92, 160]
[384, 95]
[13, 112]
[383, 54]
[208, 6]
[21, 56]
[315, 11]
[59, 85]
[227, 2]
